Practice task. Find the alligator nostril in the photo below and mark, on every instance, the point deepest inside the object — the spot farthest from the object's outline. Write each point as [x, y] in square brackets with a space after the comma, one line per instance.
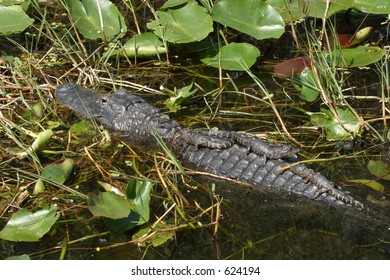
[103, 100]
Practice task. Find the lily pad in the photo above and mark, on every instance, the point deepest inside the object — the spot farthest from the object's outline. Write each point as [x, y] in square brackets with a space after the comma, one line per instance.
[379, 169]
[97, 19]
[160, 235]
[143, 45]
[252, 17]
[306, 85]
[356, 57]
[13, 20]
[370, 183]
[108, 204]
[58, 173]
[182, 23]
[138, 194]
[334, 130]
[235, 56]
[27, 226]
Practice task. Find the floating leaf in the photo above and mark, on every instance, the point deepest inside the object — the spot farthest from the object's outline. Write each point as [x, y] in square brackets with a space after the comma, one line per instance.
[333, 129]
[20, 257]
[157, 235]
[306, 85]
[180, 95]
[286, 68]
[138, 194]
[143, 45]
[235, 56]
[252, 17]
[379, 169]
[13, 20]
[182, 24]
[97, 19]
[355, 57]
[370, 183]
[27, 226]
[108, 204]
[83, 128]
[317, 8]
[288, 10]
[58, 173]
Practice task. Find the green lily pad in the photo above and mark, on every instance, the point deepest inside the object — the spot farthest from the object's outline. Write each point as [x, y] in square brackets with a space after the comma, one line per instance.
[355, 57]
[160, 236]
[97, 19]
[252, 17]
[138, 194]
[288, 10]
[306, 85]
[235, 56]
[370, 183]
[83, 128]
[27, 226]
[379, 169]
[13, 20]
[333, 129]
[143, 45]
[182, 23]
[108, 204]
[58, 173]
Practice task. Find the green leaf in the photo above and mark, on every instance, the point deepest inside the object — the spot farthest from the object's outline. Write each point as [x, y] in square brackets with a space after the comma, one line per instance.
[83, 128]
[27, 226]
[108, 204]
[288, 10]
[13, 20]
[138, 194]
[39, 143]
[379, 169]
[20, 257]
[317, 8]
[333, 129]
[174, 103]
[306, 85]
[97, 19]
[182, 24]
[370, 183]
[235, 56]
[355, 57]
[143, 45]
[252, 17]
[157, 235]
[58, 173]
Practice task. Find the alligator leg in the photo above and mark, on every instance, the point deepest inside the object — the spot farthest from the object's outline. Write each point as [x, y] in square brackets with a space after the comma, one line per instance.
[222, 139]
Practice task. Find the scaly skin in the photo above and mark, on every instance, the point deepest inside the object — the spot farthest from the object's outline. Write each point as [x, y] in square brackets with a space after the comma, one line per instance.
[226, 154]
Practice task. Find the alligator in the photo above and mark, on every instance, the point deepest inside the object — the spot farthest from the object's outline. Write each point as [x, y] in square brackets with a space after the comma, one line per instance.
[227, 154]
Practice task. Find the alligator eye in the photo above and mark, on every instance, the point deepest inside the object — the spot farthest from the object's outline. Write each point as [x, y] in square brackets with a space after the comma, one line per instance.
[103, 100]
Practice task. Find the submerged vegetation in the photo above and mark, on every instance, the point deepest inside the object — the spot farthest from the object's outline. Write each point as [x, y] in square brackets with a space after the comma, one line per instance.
[203, 61]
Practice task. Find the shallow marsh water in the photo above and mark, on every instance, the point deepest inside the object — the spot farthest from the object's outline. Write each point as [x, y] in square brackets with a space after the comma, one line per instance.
[255, 224]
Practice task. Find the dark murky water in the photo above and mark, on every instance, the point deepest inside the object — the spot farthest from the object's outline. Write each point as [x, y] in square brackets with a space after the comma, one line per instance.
[255, 224]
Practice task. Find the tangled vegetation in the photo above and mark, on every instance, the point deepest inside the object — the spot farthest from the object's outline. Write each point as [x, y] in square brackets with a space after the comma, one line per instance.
[202, 61]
